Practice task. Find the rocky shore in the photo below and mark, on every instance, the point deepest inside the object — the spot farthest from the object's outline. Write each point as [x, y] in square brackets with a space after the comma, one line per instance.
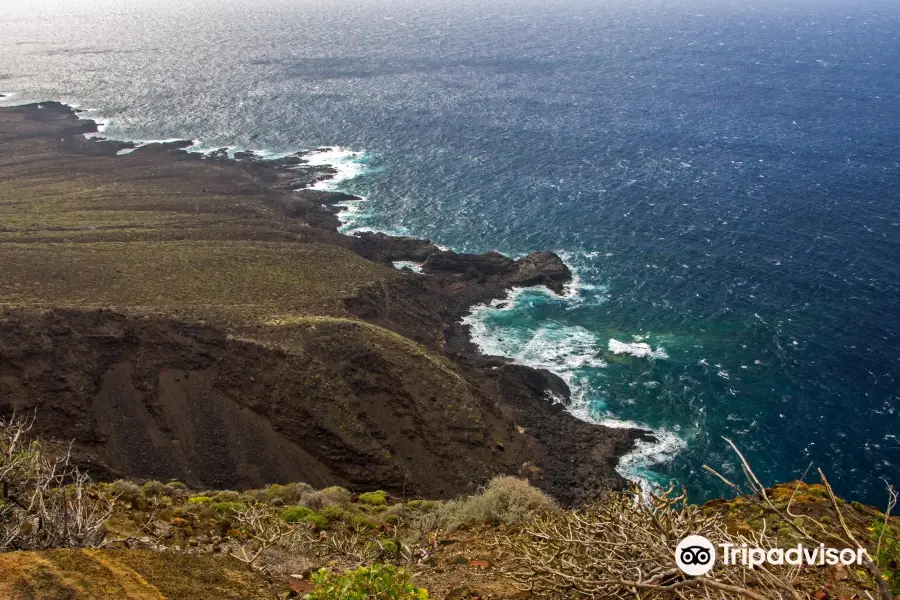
[200, 317]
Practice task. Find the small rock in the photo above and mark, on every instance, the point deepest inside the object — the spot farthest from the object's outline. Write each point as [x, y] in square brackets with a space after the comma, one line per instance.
[302, 587]
[463, 593]
[838, 573]
[480, 564]
[821, 595]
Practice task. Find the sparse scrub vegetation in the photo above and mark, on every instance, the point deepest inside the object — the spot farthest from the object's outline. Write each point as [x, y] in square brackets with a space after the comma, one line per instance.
[384, 582]
[618, 547]
[301, 514]
[506, 500]
[281, 495]
[45, 501]
[886, 536]
[378, 498]
[888, 556]
[622, 546]
[330, 496]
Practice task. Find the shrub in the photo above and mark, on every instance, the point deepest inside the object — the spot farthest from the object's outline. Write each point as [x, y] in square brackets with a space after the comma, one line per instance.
[176, 490]
[389, 546]
[423, 505]
[378, 498]
[129, 493]
[296, 514]
[505, 500]
[363, 522]
[888, 558]
[154, 488]
[410, 512]
[318, 521]
[335, 513]
[384, 582]
[301, 514]
[228, 508]
[332, 496]
[45, 501]
[199, 500]
[227, 496]
[280, 495]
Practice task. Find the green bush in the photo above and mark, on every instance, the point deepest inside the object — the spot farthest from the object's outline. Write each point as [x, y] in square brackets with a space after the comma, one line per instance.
[154, 488]
[389, 547]
[363, 521]
[888, 559]
[129, 493]
[301, 514]
[384, 582]
[199, 500]
[228, 508]
[378, 498]
[423, 505]
[227, 496]
[335, 513]
[280, 495]
[332, 496]
[505, 500]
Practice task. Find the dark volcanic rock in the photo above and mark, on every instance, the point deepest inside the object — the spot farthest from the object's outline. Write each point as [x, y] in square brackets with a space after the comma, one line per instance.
[489, 263]
[325, 197]
[383, 248]
[541, 268]
[346, 409]
[538, 268]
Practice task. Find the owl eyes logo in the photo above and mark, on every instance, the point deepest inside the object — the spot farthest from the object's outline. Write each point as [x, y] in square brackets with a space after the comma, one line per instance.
[695, 555]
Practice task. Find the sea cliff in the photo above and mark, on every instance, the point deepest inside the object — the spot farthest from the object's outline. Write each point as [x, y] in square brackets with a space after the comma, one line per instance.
[200, 317]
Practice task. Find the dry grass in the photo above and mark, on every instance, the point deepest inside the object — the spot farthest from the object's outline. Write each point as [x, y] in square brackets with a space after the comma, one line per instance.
[149, 232]
[126, 575]
[228, 277]
[506, 500]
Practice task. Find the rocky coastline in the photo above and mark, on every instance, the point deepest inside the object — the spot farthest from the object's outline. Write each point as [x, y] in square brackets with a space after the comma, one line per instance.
[517, 426]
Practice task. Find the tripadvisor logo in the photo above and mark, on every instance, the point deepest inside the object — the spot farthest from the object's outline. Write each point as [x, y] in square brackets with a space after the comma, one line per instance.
[695, 555]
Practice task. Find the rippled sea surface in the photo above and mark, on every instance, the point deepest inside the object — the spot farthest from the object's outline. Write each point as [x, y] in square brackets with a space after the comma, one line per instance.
[724, 177]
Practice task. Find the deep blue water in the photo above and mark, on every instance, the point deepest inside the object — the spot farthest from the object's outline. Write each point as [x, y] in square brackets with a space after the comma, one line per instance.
[723, 176]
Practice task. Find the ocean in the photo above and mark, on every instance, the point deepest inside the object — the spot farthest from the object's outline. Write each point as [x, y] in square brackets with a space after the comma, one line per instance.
[723, 178]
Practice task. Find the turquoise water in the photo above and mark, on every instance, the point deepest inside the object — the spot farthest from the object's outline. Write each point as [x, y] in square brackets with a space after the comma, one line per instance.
[723, 178]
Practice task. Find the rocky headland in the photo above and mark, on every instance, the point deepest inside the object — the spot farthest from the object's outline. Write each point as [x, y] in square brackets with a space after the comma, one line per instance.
[200, 317]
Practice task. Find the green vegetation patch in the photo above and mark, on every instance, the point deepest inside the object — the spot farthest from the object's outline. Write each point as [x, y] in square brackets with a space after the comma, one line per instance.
[301, 514]
[386, 582]
[378, 498]
[236, 279]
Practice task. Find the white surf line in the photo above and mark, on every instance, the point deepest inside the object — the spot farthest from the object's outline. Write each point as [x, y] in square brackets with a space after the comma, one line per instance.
[576, 350]
[342, 161]
[408, 264]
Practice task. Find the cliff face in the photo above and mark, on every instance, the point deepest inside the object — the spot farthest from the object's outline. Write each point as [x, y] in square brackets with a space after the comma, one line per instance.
[197, 318]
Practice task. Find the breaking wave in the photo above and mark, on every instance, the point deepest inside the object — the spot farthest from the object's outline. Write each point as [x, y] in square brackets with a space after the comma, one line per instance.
[514, 328]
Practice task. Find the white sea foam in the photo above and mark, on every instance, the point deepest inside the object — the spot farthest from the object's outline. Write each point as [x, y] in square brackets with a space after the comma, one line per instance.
[566, 351]
[637, 348]
[347, 163]
[408, 264]
[102, 124]
[637, 464]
